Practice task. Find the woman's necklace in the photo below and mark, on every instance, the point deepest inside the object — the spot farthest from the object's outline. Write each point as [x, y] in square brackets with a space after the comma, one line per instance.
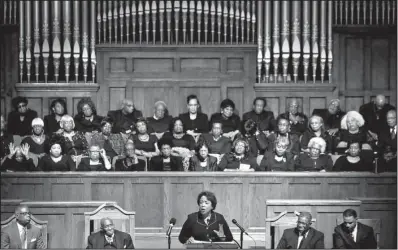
[353, 159]
[38, 138]
[144, 137]
[178, 136]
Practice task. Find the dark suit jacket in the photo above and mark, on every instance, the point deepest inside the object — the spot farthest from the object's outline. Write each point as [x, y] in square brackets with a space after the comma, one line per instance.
[199, 125]
[10, 237]
[156, 163]
[265, 120]
[375, 120]
[194, 164]
[289, 240]
[122, 122]
[365, 238]
[121, 240]
[330, 121]
[83, 125]
[16, 127]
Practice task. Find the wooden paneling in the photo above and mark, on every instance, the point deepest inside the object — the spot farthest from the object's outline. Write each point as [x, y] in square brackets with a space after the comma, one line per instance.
[145, 97]
[316, 103]
[153, 64]
[380, 51]
[117, 65]
[355, 63]
[236, 95]
[36, 102]
[116, 95]
[200, 64]
[157, 197]
[353, 103]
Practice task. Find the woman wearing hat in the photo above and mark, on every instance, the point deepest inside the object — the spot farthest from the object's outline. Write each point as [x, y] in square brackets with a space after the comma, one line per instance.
[19, 121]
[38, 140]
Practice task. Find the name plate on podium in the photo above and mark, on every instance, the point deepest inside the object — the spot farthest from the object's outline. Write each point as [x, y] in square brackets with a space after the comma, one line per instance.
[207, 244]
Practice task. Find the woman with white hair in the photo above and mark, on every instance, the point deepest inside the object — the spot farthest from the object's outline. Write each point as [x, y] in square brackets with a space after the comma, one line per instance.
[352, 129]
[38, 140]
[75, 141]
[315, 160]
[159, 123]
[316, 128]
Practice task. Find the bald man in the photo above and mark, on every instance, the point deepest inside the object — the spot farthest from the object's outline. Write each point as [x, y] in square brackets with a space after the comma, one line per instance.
[21, 234]
[109, 237]
[331, 116]
[125, 118]
[374, 114]
[298, 120]
[303, 236]
[388, 144]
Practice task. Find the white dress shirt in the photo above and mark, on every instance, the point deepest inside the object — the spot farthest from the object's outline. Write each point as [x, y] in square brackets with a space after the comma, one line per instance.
[354, 233]
[300, 238]
[21, 230]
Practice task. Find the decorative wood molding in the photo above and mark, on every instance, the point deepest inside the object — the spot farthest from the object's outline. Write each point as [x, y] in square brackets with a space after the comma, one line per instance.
[292, 87]
[59, 87]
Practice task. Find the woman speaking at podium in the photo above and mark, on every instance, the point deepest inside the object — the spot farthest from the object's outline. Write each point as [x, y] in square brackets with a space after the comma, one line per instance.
[205, 225]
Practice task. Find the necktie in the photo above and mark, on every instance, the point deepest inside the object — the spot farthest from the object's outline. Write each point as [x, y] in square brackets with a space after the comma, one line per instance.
[109, 239]
[23, 237]
[301, 242]
[393, 133]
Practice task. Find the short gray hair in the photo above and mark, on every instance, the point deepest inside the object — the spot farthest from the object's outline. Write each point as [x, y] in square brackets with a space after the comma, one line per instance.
[317, 140]
[102, 221]
[306, 215]
[66, 118]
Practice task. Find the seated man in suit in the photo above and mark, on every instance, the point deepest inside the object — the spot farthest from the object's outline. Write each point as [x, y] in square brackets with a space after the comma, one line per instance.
[331, 116]
[124, 119]
[109, 237]
[303, 236]
[352, 234]
[388, 144]
[21, 234]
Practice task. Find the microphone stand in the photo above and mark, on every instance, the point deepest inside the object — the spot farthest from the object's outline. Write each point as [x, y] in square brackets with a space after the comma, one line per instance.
[241, 239]
[169, 241]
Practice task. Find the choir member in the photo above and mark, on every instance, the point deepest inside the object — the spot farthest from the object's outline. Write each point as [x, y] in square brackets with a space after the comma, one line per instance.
[124, 119]
[257, 139]
[218, 144]
[165, 161]
[202, 161]
[316, 129]
[97, 160]
[38, 140]
[354, 160]
[75, 142]
[131, 161]
[298, 120]
[264, 119]
[182, 144]
[315, 160]
[352, 129]
[56, 160]
[331, 116]
[112, 143]
[159, 123]
[18, 160]
[206, 224]
[283, 130]
[303, 236]
[5, 139]
[374, 113]
[388, 144]
[145, 144]
[230, 121]
[87, 120]
[278, 159]
[52, 121]
[195, 122]
[19, 121]
[239, 159]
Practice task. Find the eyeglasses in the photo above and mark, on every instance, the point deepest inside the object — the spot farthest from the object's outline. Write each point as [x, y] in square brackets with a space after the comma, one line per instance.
[22, 106]
[108, 226]
[25, 213]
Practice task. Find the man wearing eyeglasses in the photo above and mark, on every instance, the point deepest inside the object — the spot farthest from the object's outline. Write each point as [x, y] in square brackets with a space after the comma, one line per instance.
[303, 236]
[21, 234]
[19, 121]
[109, 237]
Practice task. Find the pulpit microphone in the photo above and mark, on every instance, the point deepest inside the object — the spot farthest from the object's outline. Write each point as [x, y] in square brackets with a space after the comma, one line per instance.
[172, 223]
[240, 227]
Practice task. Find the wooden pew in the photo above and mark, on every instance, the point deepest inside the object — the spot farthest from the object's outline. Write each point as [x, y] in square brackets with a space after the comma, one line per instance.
[385, 209]
[65, 220]
[325, 212]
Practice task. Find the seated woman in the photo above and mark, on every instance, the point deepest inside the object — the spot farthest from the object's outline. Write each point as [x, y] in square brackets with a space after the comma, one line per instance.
[145, 144]
[52, 121]
[38, 140]
[230, 121]
[97, 160]
[75, 142]
[279, 159]
[159, 123]
[205, 225]
[112, 143]
[5, 139]
[87, 119]
[315, 129]
[239, 159]
[183, 145]
[19, 122]
[165, 161]
[256, 139]
[130, 162]
[354, 160]
[283, 130]
[18, 160]
[195, 122]
[56, 160]
[218, 144]
[202, 161]
[315, 160]
[352, 129]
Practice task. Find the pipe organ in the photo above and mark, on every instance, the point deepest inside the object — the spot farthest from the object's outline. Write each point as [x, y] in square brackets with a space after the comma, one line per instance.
[294, 38]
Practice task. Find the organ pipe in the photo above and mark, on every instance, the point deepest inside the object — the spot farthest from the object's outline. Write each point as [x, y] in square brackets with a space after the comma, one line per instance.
[45, 47]
[28, 43]
[147, 12]
[92, 41]
[21, 40]
[225, 20]
[212, 20]
[199, 11]
[67, 38]
[219, 20]
[267, 37]
[276, 36]
[330, 41]
[56, 32]
[85, 44]
[76, 38]
[306, 38]
[177, 8]
[192, 19]
[296, 47]
[314, 41]
[285, 38]
[153, 15]
[324, 17]
[259, 41]
[184, 20]
[36, 37]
